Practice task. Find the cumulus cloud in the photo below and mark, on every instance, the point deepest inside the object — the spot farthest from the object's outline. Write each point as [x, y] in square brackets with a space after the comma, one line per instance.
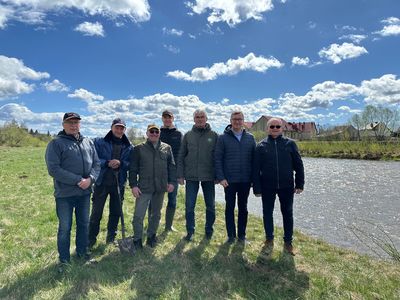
[383, 90]
[229, 68]
[232, 12]
[301, 61]
[85, 95]
[337, 53]
[392, 27]
[90, 29]
[55, 86]
[14, 76]
[347, 109]
[172, 31]
[36, 11]
[355, 38]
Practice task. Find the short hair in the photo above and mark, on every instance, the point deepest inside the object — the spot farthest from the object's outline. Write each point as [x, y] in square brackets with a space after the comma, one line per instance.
[237, 112]
[274, 119]
[199, 111]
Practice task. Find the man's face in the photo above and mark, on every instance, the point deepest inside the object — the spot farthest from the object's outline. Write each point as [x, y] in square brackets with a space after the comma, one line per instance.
[237, 122]
[153, 135]
[118, 131]
[167, 120]
[200, 120]
[275, 128]
[72, 126]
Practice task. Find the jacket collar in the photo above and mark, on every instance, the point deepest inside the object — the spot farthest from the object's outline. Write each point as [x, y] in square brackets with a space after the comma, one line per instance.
[109, 136]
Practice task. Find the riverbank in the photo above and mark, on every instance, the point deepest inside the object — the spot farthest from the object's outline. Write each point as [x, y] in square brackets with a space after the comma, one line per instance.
[351, 150]
[173, 270]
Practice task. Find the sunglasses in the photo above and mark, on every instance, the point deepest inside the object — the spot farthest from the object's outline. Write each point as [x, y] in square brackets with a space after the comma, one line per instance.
[275, 126]
[154, 131]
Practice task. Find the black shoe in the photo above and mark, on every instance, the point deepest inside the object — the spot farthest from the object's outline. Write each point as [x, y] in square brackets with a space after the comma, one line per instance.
[63, 266]
[243, 240]
[138, 244]
[230, 240]
[84, 256]
[209, 235]
[151, 241]
[189, 237]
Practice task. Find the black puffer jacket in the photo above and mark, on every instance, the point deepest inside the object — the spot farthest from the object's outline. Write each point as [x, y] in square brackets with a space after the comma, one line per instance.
[172, 137]
[275, 160]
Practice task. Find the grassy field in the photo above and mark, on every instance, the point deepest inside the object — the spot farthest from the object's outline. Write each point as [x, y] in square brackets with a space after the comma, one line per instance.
[354, 150]
[174, 269]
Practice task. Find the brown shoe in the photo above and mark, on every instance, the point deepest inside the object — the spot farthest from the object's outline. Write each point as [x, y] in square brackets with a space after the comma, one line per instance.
[289, 248]
[269, 244]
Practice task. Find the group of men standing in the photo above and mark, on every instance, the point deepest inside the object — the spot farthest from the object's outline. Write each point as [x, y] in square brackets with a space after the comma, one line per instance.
[198, 158]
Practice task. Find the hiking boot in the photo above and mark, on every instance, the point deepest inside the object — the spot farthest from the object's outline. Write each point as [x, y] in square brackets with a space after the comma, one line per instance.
[189, 237]
[230, 240]
[289, 248]
[138, 244]
[269, 244]
[83, 256]
[62, 266]
[151, 241]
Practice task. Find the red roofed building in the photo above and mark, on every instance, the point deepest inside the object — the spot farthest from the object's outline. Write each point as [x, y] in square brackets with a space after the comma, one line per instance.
[294, 130]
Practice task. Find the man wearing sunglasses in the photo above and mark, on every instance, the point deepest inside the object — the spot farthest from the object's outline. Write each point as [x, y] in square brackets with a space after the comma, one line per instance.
[276, 158]
[152, 173]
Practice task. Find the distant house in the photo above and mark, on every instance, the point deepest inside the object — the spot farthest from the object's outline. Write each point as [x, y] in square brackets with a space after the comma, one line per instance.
[343, 132]
[294, 130]
[248, 125]
[376, 130]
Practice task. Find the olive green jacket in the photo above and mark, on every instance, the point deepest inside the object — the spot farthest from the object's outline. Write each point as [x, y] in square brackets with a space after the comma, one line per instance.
[152, 168]
[196, 155]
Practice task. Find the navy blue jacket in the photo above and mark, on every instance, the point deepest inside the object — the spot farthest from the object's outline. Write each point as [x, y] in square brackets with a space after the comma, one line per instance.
[172, 137]
[275, 160]
[233, 159]
[104, 151]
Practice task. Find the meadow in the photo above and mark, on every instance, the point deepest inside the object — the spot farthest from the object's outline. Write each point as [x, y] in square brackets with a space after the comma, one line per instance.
[174, 269]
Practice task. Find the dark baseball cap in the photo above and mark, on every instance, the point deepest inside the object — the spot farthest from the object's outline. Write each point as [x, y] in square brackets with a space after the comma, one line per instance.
[167, 113]
[118, 122]
[153, 126]
[71, 115]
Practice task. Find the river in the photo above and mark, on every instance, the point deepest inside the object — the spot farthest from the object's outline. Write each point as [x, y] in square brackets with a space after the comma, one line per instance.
[341, 194]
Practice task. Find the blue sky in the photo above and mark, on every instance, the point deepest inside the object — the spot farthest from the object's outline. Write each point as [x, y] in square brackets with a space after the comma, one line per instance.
[303, 60]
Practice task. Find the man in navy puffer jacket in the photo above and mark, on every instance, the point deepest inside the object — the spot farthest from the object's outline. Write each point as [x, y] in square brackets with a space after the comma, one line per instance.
[275, 160]
[113, 151]
[233, 166]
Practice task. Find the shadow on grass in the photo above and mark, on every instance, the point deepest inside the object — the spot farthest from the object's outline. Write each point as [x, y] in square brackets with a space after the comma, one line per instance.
[189, 270]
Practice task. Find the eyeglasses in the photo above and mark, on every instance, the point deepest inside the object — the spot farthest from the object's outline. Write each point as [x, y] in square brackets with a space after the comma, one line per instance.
[154, 131]
[237, 119]
[275, 126]
[72, 122]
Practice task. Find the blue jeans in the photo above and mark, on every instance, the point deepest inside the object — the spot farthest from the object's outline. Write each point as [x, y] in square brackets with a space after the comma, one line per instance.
[64, 208]
[286, 200]
[192, 188]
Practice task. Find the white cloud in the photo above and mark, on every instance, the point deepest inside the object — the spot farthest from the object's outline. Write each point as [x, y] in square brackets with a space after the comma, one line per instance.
[172, 31]
[355, 38]
[229, 68]
[347, 109]
[192, 36]
[14, 75]
[90, 29]
[232, 12]
[392, 27]
[172, 49]
[85, 95]
[35, 11]
[383, 90]
[336, 53]
[301, 61]
[55, 86]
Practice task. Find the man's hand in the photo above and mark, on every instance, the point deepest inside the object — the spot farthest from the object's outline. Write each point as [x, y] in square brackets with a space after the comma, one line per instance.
[181, 181]
[298, 191]
[85, 183]
[136, 192]
[114, 164]
[170, 188]
[224, 183]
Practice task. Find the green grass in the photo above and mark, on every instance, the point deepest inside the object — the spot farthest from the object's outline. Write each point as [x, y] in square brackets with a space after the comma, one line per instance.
[174, 269]
[354, 150]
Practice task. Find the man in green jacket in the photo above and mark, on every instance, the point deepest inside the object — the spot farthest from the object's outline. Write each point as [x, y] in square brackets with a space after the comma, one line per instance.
[152, 173]
[196, 165]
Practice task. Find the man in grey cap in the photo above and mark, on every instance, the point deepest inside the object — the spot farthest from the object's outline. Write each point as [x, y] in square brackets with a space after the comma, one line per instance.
[113, 151]
[73, 163]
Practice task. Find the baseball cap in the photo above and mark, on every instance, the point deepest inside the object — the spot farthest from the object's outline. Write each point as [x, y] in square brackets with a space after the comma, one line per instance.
[167, 113]
[71, 115]
[153, 126]
[118, 122]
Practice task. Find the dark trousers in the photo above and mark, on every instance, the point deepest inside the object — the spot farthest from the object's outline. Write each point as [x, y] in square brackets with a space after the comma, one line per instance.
[98, 201]
[241, 189]
[286, 201]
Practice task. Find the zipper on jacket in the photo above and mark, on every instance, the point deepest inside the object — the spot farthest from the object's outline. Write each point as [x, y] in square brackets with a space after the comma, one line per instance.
[83, 161]
[277, 163]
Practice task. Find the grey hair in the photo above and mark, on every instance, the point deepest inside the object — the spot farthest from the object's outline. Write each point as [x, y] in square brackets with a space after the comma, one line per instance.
[199, 111]
[237, 112]
[274, 119]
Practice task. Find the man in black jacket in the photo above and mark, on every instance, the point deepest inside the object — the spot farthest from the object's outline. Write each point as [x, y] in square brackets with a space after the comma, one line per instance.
[275, 159]
[173, 137]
